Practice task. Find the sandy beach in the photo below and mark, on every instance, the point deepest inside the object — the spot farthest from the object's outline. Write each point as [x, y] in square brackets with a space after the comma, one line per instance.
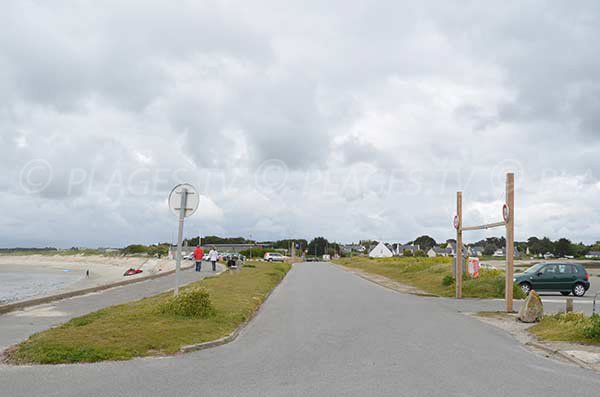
[28, 276]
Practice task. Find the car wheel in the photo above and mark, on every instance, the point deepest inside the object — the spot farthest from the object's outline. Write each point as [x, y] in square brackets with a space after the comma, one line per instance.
[270, 259]
[578, 289]
[526, 288]
[565, 293]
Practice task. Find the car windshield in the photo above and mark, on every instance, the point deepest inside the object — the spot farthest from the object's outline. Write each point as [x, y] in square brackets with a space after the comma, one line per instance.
[534, 268]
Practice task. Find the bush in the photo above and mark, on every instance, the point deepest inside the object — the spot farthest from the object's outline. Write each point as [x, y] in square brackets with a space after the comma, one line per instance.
[193, 302]
[135, 249]
[448, 280]
[490, 284]
[420, 254]
[592, 328]
[407, 253]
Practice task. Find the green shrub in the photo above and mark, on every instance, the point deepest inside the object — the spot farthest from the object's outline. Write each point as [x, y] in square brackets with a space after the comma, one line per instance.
[135, 249]
[448, 280]
[592, 328]
[193, 302]
[490, 273]
[420, 254]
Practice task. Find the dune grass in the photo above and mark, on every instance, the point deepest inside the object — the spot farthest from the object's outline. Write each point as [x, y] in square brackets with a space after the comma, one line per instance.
[141, 328]
[432, 275]
[569, 327]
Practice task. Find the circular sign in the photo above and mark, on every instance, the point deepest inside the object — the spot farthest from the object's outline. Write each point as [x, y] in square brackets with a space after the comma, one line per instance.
[187, 194]
[456, 221]
[505, 212]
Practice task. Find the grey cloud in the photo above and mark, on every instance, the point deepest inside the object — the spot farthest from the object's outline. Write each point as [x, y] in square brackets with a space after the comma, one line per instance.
[427, 98]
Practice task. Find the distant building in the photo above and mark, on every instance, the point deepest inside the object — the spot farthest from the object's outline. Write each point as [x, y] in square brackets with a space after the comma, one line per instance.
[381, 250]
[452, 246]
[593, 255]
[349, 248]
[398, 248]
[387, 250]
[502, 252]
[439, 251]
[107, 250]
[476, 251]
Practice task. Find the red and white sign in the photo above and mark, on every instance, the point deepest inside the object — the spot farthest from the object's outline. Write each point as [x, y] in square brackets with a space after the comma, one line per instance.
[474, 267]
[505, 212]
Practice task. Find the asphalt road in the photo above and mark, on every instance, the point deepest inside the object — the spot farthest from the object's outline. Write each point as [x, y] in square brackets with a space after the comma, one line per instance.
[327, 332]
[18, 325]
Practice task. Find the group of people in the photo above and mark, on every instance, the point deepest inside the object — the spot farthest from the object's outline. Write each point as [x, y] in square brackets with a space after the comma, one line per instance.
[213, 257]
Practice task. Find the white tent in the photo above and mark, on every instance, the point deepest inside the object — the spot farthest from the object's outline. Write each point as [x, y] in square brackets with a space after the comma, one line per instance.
[381, 251]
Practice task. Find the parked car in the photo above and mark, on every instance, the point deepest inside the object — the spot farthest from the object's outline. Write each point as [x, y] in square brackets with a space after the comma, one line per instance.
[273, 257]
[561, 277]
[189, 257]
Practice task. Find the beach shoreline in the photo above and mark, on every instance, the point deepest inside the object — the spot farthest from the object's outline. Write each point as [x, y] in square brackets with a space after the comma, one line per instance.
[71, 271]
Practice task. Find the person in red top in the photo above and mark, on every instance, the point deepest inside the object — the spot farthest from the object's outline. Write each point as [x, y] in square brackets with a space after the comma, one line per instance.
[198, 255]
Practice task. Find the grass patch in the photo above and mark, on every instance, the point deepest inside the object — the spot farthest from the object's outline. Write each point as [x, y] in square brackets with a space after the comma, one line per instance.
[569, 327]
[433, 275]
[157, 325]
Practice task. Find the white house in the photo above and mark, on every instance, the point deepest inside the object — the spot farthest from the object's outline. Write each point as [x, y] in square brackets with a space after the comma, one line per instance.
[502, 252]
[593, 255]
[381, 251]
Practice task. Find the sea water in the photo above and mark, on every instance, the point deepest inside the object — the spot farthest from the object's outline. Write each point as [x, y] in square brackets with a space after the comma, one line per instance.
[17, 285]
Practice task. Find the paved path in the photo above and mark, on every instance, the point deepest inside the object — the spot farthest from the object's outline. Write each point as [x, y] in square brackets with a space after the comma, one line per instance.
[552, 304]
[19, 325]
[326, 332]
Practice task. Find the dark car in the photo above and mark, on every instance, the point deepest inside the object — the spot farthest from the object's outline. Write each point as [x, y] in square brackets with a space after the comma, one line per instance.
[561, 277]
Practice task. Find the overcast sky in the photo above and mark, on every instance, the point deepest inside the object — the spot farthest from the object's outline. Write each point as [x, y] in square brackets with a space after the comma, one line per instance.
[348, 119]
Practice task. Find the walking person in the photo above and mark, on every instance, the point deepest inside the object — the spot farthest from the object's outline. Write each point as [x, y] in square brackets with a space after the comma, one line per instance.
[213, 256]
[198, 255]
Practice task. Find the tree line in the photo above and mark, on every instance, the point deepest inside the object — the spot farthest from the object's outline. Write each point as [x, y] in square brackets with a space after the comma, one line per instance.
[559, 248]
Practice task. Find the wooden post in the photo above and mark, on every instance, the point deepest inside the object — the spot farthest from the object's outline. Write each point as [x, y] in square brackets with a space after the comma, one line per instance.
[569, 308]
[459, 259]
[510, 240]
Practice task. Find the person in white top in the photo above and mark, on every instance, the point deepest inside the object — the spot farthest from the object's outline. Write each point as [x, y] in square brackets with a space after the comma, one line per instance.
[213, 256]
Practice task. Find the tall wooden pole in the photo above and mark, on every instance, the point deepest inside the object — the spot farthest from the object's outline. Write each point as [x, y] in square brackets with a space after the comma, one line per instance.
[459, 245]
[510, 240]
